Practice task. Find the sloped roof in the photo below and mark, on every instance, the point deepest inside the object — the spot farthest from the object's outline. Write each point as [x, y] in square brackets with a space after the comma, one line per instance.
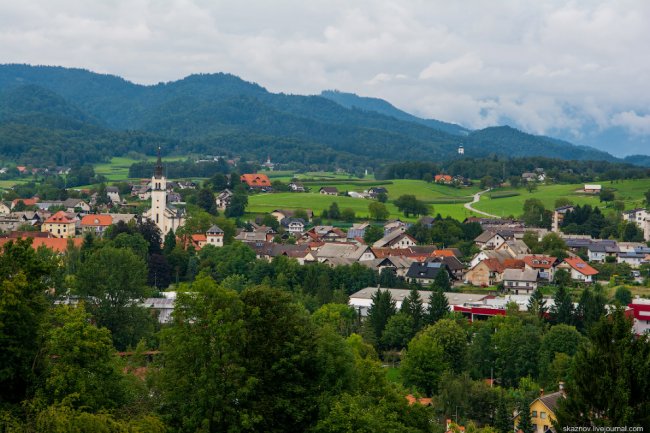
[214, 230]
[526, 275]
[97, 220]
[59, 218]
[540, 262]
[256, 180]
[581, 266]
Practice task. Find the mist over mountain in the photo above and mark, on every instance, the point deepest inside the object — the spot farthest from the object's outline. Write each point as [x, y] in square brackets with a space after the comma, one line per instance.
[54, 114]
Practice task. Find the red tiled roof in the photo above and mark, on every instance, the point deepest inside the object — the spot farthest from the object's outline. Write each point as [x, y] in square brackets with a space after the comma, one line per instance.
[97, 220]
[255, 180]
[424, 401]
[443, 177]
[537, 261]
[581, 266]
[514, 264]
[27, 201]
[199, 237]
[443, 253]
[494, 265]
[59, 218]
[58, 245]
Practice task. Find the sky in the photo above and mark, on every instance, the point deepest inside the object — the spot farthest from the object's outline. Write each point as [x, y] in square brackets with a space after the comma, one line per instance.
[573, 68]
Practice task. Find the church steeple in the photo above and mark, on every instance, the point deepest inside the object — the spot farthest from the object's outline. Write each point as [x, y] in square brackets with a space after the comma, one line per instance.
[158, 171]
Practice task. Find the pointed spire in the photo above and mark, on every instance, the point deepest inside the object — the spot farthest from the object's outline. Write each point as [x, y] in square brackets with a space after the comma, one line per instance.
[158, 171]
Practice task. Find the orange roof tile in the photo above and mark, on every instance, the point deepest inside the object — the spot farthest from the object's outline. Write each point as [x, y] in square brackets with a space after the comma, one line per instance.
[581, 266]
[58, 245]
[443, 253]
[97, 220]
[494, 265]
[256, 180]
[59, 218]
[514, 264]
[27, 201]
[541, 262]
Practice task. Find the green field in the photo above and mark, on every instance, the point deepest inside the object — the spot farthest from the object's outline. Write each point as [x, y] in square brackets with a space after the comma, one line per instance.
[118, 168]
[629, 191]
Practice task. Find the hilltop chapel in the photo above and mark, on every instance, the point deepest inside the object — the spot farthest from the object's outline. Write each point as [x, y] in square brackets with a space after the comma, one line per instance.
[166, 217]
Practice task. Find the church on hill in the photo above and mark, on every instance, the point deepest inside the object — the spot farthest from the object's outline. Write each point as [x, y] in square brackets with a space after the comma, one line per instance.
[166, 216]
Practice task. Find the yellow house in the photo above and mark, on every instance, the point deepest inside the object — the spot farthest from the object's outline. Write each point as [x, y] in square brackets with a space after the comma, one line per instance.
[542, 411]
[60, 225]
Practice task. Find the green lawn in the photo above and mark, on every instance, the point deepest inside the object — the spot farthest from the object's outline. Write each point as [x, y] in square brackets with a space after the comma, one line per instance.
[630, 191]
[264, 203]
[118, 168]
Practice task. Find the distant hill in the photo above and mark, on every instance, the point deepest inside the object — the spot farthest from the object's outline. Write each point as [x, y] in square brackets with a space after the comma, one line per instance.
[350, 100]
[92, 116]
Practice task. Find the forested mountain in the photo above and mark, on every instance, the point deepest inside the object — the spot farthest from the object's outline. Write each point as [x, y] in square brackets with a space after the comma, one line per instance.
[55, 114]
[350, 100]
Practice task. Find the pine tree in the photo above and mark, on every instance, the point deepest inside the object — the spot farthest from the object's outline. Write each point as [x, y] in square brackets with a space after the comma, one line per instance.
[503, 418]
[170, 242]
[441, 281]
[438, 306]
[412, 306]
[562, 311]
[537, 304]
[382, 308]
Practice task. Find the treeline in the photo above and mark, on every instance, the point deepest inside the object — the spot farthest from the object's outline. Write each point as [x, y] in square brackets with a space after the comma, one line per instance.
[180, 169]
[503, 168]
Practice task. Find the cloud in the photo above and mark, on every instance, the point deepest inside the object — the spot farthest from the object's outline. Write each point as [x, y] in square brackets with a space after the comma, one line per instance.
[633, 122]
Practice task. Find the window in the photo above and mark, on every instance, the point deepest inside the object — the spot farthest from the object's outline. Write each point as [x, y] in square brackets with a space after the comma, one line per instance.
[542, 415]
[534, 414]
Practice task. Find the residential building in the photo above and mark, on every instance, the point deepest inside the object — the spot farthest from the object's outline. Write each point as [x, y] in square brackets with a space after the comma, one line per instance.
[358, 230]
[520, 281]
[60, 225]
[256, 181]
[579, 270]
[223, 199]
[113, 194]
[543, 265]
[396, 239]
[214, 236]
[328, 190]
[294, 226]
[96, 223]
[558, 217]
[425, 272]
[488, 272]
[592, 188]
[598, 251]
[542, 410]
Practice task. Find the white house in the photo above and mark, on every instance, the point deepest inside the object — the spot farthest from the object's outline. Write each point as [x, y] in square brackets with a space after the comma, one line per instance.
[214, 236]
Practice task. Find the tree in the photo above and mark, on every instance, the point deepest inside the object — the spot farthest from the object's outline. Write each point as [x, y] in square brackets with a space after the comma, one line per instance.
[562, 278]
[560, 339]
[441, 281]
[373, 234]
[452, 338]
[205, 200]
[423, 363]
[563, 201]
[378, 211]
[151, 233]
[410, 205]
[170, 242]
[381, 309]
[438, 306]
[608, 385]
[606, 195]
[562, 311]
[502, 418]
[535, 214]
[647, 197]
[238, 202]
[398, 331]
[112, 281]
[537, 304]
[334, 212]
[413, 307]
[348, 215]
[382, 197]
[623, 296]
[24, 280]
[525, 424]
[340, 317]
[80, 366]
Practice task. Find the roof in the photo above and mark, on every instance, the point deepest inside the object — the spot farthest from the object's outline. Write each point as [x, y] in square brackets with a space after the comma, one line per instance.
[97, 220]
[580, 266]
[520, 275]
[540, 262]
[493, 265]
[550, 400]
[453, 298]
[427, 270]
[518, 246]
[256, 180]
[391, 238]
[485, 236]
[514, 264]
[443, 177]
[59, 218]
[331, 189]
[214, 230]
[26, 201]
[59, 245]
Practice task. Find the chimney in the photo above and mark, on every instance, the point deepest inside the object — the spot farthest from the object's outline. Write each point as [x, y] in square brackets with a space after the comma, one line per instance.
[541, 392]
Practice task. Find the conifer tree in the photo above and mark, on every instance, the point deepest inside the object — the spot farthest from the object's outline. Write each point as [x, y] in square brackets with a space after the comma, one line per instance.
[412, 306]
[382, 308]
[438, 306]
[537, 304]
[562, 311]
[525, 423]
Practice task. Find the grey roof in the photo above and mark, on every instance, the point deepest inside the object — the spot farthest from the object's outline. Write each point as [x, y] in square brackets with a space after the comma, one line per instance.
[345, 251]
[214, 230]
[399, 294]
[604, 246]
[427, 270]
[389, 239]
[288, 221]
[526, 275]
[550, 400]
[485, 236]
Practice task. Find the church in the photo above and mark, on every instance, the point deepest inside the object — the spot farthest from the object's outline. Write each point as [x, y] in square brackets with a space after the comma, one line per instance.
[166, 217]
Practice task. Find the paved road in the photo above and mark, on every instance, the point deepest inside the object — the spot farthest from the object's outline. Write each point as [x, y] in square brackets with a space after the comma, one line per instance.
[477, 197]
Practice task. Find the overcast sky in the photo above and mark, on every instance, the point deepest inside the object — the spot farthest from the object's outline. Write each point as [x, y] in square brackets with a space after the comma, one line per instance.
[542, 65]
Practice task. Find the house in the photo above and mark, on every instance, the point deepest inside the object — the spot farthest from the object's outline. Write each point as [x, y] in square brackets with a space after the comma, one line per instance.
[542, 410]
[592, 189]
[60, 225]
[579, 270]
[325, 234]
[113, 194]
[443, 178]
[544, 265]
[198, 241]
[488, 272]
[297, 187]
[558, 217]
[186, 184]
[355, 253]
[425, 272]
[501, 256]
[514, 247]
[396, 239]
[598, 251]
[454, 266]
[489, 240]
[376, 190]
[143, 192]
[520, 280]
[214, 236]
[4, 208]
[328, 190]
[76, 205]
[534, 177]
[96, 224]
[399, 265]
[641, 218]
[294, 226]
[256, 181]
[427, 221]
[223, 199]
[162, 307]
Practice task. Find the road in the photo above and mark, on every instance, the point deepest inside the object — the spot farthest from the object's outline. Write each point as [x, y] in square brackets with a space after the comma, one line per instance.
[477, 197]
